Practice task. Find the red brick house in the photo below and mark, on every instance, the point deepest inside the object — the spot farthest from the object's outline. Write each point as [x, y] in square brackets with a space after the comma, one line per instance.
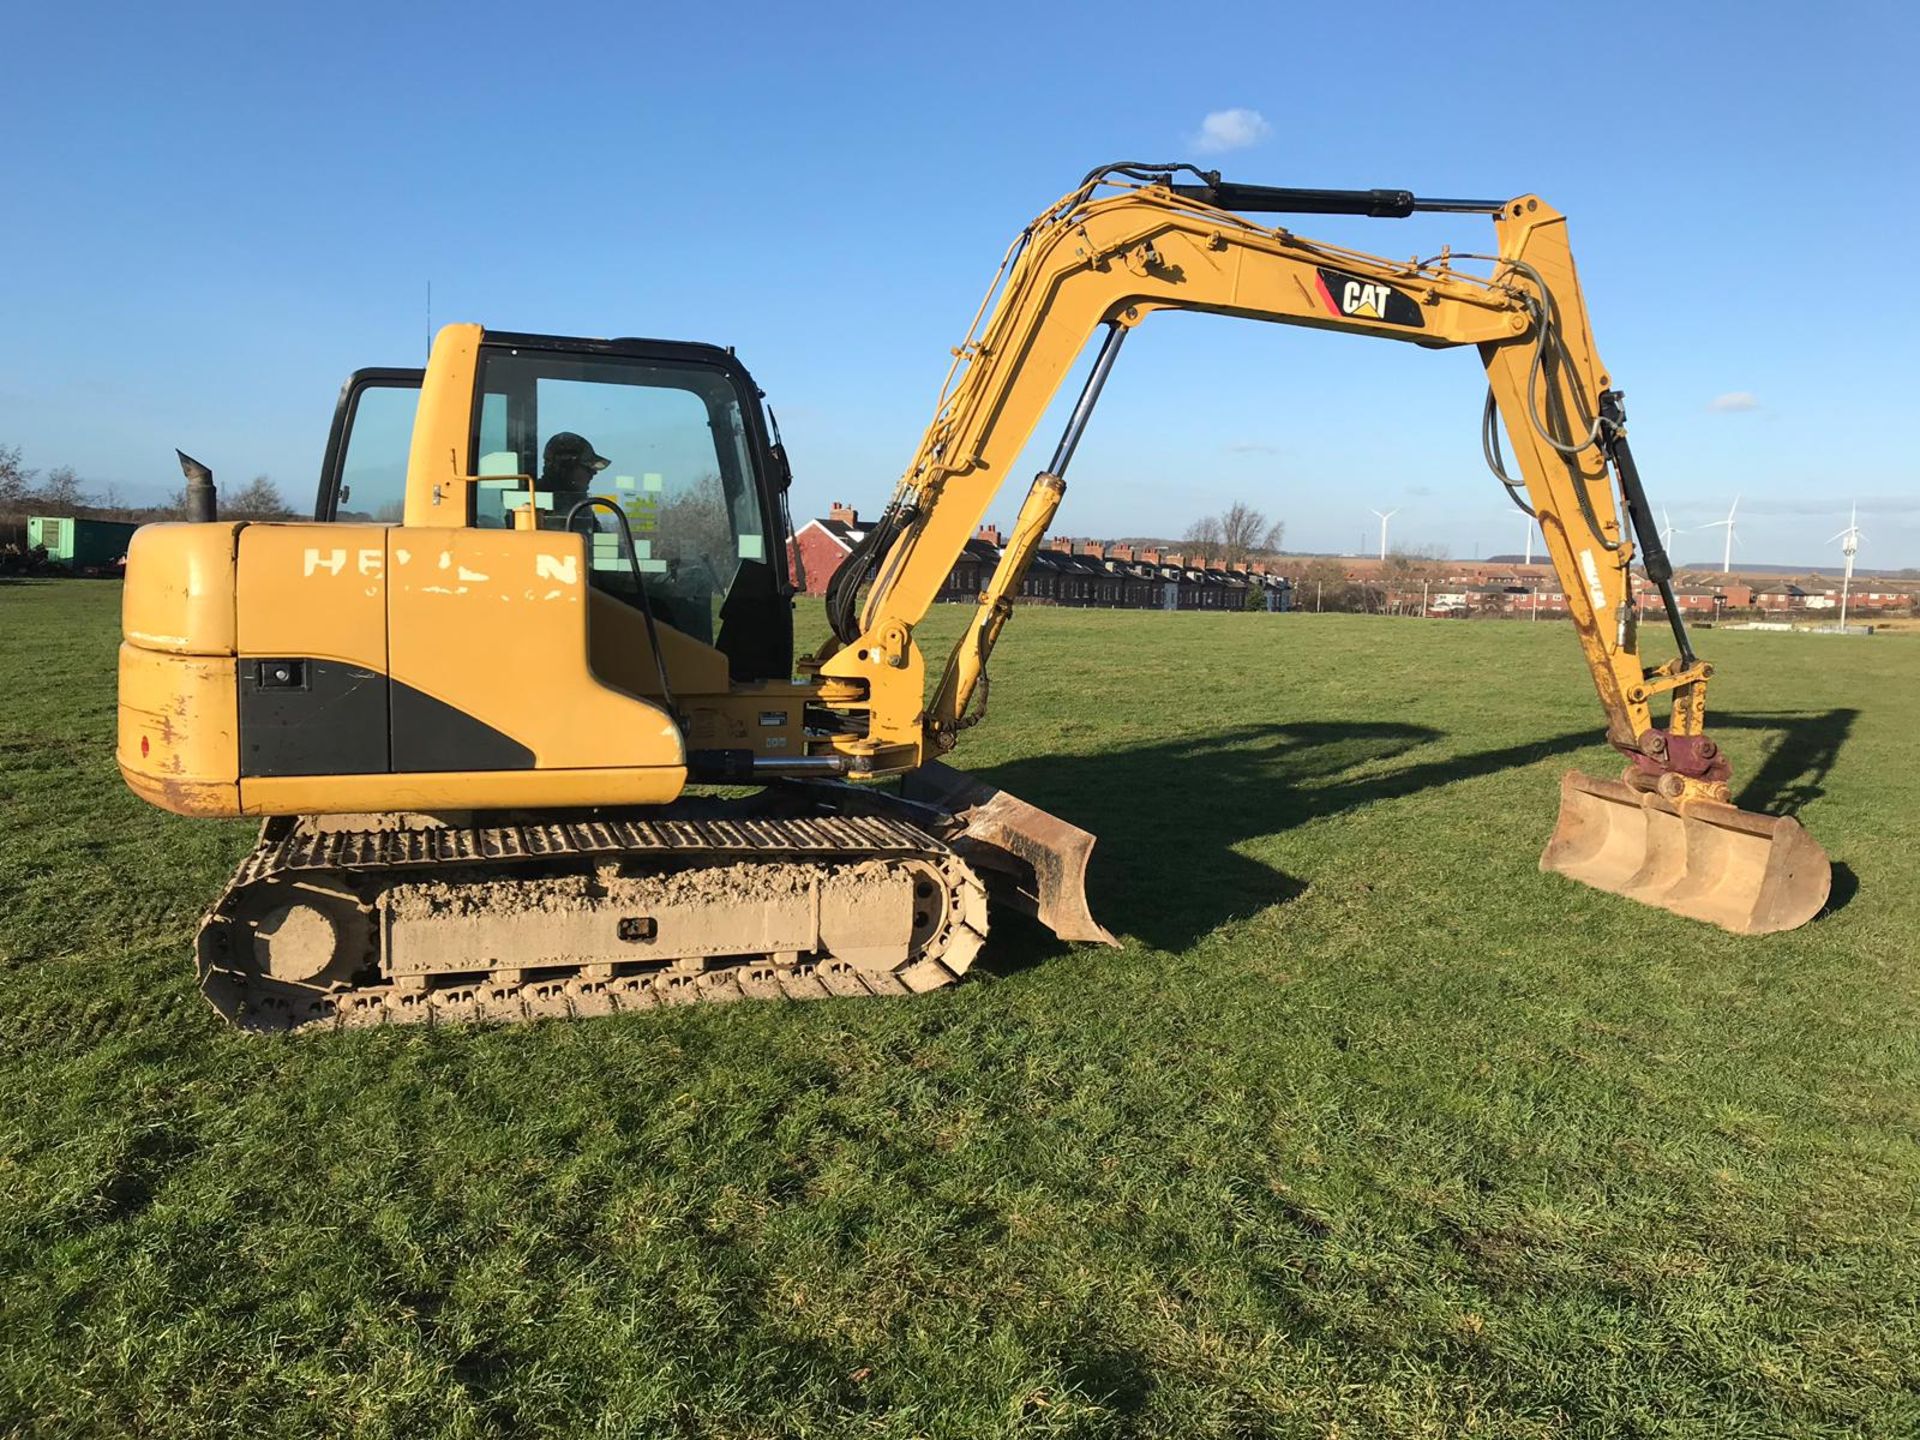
[1706, 601]
[1784, 595]
[822, 545]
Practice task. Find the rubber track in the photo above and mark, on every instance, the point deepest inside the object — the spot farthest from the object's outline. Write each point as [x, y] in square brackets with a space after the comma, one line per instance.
[309, 855]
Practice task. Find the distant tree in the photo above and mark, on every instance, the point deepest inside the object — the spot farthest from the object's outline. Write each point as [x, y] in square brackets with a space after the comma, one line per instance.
[1322, 584]
[1398, 575]
[258, 499]
[692, 526]
[1236, 534]
[61, 491]
[1203, 539]
[16, 480]
[1246, 532]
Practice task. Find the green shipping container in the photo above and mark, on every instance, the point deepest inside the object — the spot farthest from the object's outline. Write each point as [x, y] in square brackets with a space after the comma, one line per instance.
[80, 544]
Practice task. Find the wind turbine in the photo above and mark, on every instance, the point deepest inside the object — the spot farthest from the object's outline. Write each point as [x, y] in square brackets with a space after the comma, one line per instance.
[1726, 561]
[1849, 539]
[1385, 515]
[1667, 531]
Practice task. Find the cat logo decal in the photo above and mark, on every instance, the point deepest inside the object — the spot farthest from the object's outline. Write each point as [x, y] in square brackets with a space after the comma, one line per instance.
[1350, 298]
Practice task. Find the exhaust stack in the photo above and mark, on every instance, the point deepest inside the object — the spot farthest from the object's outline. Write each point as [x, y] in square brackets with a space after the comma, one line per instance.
[202, 503]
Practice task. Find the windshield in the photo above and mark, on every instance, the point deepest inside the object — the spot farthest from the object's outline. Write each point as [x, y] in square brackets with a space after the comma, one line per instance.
[665, 442]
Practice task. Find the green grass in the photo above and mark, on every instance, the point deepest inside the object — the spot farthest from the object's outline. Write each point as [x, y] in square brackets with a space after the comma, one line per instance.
[1370, 1129]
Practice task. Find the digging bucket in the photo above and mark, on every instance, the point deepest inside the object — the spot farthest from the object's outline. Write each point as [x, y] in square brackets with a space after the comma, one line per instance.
[1033, 861]
[1748, 873]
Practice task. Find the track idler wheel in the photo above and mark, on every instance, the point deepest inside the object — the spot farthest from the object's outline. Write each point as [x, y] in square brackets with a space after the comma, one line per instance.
[285, 946]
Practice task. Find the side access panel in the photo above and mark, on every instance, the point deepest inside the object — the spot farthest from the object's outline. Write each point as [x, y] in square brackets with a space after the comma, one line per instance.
[490, 626]
[311, 629]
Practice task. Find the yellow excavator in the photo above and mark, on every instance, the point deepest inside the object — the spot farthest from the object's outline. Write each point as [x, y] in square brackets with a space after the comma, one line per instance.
[545, 592]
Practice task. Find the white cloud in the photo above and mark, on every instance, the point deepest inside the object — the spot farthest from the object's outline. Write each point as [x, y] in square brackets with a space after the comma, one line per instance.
[1235, 129]
[1734, 401]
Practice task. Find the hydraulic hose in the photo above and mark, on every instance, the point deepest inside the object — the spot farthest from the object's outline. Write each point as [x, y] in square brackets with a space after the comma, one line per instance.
[640, 585]
[843, 591]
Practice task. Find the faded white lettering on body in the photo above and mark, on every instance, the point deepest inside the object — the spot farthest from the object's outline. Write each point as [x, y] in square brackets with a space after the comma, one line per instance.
[563, 568]
[331, 561]
[1595, 591]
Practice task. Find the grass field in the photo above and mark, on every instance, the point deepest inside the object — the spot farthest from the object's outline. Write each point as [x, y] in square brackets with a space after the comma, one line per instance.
[1370, 1129]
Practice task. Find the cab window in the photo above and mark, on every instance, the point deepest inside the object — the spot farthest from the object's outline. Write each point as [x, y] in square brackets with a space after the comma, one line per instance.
[664, 443]
[364, 476]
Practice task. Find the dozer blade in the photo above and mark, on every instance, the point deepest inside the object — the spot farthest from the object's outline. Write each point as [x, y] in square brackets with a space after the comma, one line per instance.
[1751, 874]
[1035, 862]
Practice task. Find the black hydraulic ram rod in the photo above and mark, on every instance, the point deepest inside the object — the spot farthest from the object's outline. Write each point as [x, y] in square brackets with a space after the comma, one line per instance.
[1282, 200]
[1089, 394]
[854, 569]
[1653, 550]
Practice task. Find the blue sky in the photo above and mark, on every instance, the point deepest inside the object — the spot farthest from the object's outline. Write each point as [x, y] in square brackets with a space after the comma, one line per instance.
[215, 213]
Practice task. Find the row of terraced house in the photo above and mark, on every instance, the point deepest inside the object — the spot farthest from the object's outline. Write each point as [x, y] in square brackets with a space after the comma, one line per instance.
[1518, 590]
[1065, 572]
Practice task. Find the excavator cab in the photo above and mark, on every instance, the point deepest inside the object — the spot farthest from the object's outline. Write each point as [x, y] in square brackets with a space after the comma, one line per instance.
[678, 447]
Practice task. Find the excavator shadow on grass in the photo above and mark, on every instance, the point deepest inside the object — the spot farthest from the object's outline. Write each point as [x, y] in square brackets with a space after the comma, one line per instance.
[1169, 816]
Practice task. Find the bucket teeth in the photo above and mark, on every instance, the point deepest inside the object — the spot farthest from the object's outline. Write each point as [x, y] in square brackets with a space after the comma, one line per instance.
[1748, 873]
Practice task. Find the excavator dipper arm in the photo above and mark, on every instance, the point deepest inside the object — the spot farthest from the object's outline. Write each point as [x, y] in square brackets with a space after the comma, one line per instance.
[1113, 252]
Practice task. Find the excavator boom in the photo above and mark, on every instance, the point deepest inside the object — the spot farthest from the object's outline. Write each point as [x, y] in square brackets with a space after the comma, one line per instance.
[1130, 241]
